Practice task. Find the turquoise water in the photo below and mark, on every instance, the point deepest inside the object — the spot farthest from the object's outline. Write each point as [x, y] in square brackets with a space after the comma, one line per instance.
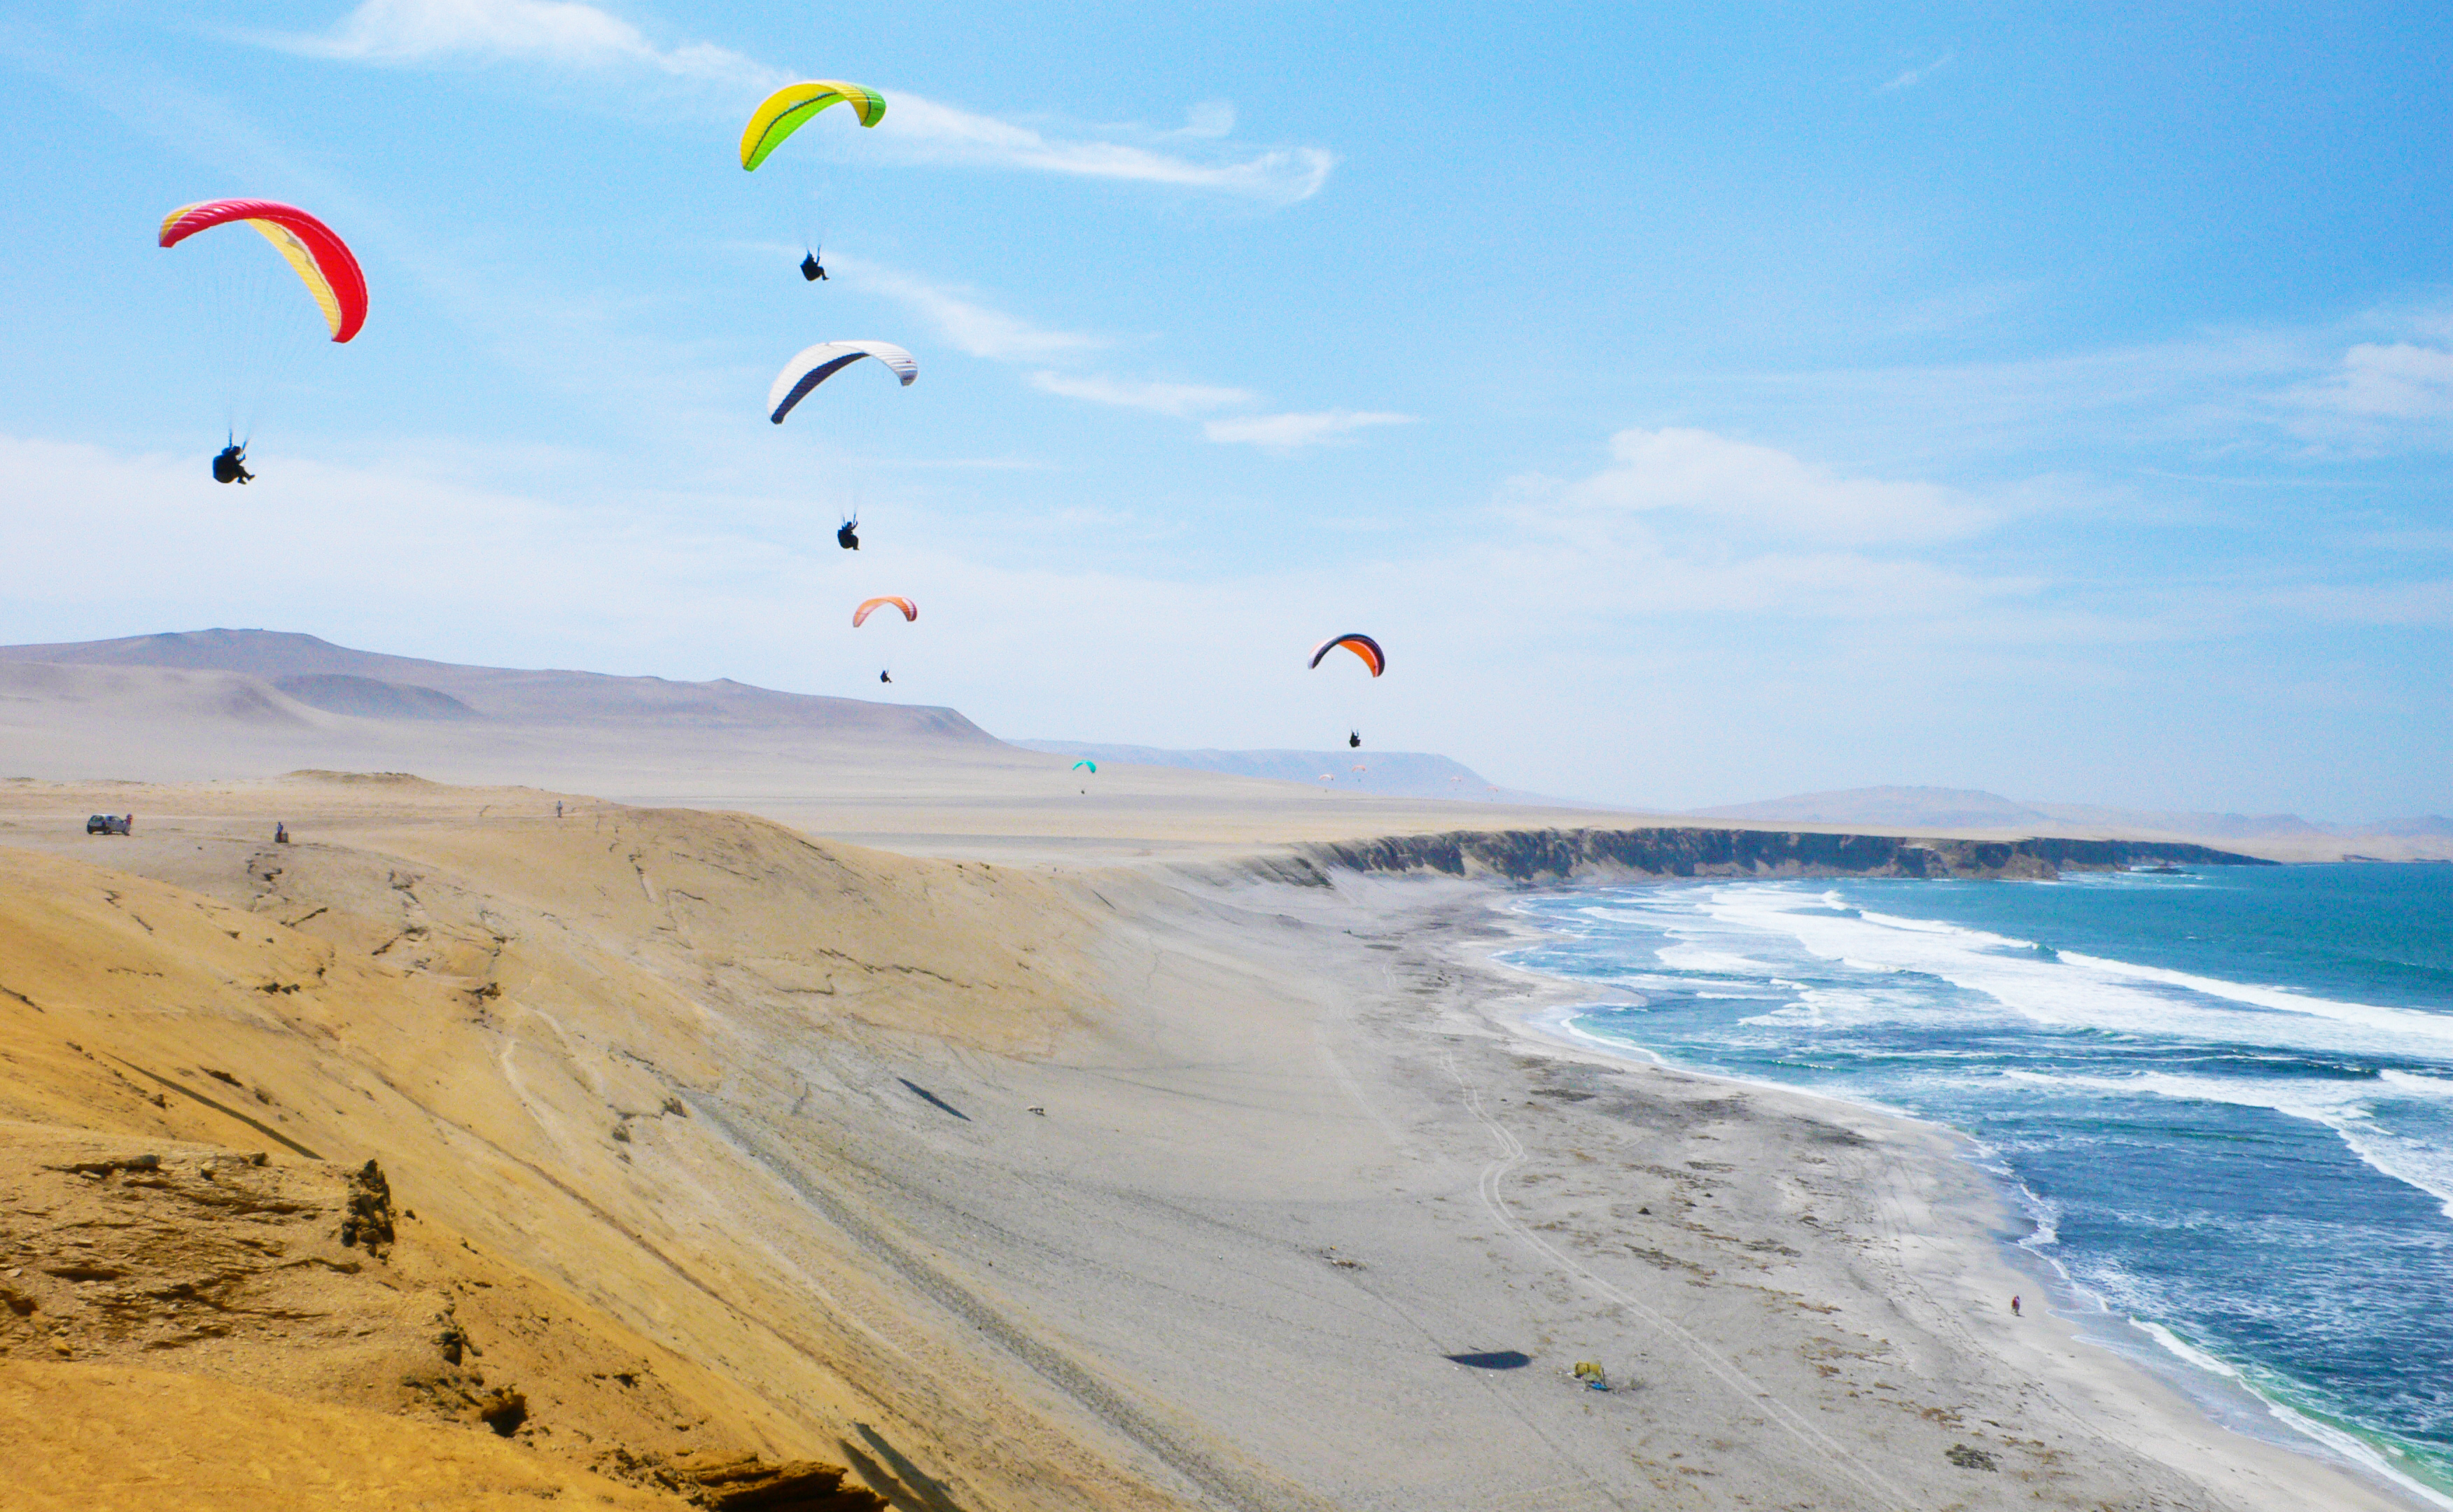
[2225, 1097]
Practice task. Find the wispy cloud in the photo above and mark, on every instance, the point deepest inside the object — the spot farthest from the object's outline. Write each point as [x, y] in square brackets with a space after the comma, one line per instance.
[1291, 432]
[1910, 78]
[960, 318]
[983, 331]
[1210, 118]
[1737, 483]
[1182, 401]
[570, 35]
[561, 32]
[928, 131]
[2389, 381]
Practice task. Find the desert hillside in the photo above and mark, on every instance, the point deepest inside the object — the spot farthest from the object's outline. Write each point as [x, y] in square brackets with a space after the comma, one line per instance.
[571, 1053]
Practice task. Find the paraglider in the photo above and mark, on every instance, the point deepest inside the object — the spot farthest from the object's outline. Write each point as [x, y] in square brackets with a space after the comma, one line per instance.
[1086, 763]
[860, 616]
[1361, 644]
[793, 105]
[320, 259]
[785, 112]
[253, 338]
[846, 534]
[1369, 651]
[817, 364]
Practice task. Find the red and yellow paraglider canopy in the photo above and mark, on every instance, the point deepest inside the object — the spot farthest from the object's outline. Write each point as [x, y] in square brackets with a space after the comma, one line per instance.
[323, 261]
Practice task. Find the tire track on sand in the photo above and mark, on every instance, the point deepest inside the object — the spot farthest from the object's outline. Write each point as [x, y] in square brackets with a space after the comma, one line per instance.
[1721, 1368]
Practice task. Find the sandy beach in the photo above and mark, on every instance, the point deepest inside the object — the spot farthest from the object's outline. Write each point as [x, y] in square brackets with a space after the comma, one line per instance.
[1084, 1179]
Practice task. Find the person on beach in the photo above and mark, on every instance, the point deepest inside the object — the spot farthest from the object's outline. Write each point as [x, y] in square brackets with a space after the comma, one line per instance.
[2014, 1307]
[280, 833]
[230, 465]
[809, 268]
[557, 808]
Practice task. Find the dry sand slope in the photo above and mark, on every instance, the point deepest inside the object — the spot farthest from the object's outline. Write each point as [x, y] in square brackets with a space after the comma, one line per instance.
[986, 1186]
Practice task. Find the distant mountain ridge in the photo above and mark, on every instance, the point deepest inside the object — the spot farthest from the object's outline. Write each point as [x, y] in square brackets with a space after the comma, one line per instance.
[1971, 808]
[1401, 774]
[371, 684]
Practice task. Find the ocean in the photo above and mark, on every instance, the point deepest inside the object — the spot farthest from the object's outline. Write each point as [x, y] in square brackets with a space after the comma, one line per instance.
[2223, 1098]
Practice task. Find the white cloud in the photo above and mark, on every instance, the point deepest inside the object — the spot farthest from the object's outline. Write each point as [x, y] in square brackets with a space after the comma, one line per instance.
[1210, 118]
[1291, 431]
[1180, 400]
[1910, 78]
[983, 332]
[570, 35]
[2396, 381]
[563, 33]
[1711, 477]
[966, 324]
[928, 131]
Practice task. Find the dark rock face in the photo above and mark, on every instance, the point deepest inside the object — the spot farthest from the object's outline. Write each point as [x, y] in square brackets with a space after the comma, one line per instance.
[368, 1219]
[1531, 855]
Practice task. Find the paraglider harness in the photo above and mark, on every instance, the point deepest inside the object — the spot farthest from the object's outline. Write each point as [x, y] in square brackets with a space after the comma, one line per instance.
[1354, 739]
[846, 535]
[809, 268]
[884, 678]
[230, 465]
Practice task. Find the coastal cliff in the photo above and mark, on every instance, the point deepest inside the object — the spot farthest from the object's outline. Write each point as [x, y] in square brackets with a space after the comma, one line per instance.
[1534, 855]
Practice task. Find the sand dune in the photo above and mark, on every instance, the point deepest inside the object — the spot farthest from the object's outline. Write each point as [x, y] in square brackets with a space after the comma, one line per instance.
[1049, 1185]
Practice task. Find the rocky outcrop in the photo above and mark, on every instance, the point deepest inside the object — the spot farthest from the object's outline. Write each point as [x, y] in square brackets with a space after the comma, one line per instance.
[752, 1485]
[1554, 855]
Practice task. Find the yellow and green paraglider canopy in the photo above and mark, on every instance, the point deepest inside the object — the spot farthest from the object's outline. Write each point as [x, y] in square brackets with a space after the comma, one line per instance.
[786, 110]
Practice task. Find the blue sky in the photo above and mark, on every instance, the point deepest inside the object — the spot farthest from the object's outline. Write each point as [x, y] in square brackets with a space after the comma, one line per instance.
[1701, 403]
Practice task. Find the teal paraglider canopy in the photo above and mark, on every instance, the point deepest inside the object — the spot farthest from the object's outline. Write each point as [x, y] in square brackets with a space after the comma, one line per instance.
[1086, 762]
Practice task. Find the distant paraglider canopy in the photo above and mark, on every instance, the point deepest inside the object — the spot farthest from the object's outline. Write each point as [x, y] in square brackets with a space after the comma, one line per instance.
[790, 107]
[817, 364]
[1361, 646]
[860, 616]
[1086, 762]
[320, 259]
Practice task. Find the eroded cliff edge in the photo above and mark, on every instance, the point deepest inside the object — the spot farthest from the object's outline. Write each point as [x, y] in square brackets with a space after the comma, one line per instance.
[1558, 855]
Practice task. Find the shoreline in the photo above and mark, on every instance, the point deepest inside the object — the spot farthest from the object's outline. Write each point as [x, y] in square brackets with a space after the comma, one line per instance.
[2156, 1365]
